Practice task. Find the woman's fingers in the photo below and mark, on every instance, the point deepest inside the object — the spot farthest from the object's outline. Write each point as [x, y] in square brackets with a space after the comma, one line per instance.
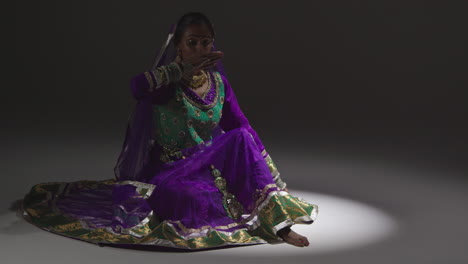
[201, 61]
[210, 65]
[205, 61]
[212, 61]
[197, 59]
[214, 54]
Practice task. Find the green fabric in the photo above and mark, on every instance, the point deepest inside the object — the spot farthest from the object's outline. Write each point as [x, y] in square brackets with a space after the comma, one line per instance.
[181, 123]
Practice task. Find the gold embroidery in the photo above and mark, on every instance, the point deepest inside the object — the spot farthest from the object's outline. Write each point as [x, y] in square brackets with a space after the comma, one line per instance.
[250, 217]
[181, 133]
[230, 203]
[208, 89]
[210, 113]
[169, 152]
[278, 210]
[271, 165]
[218, 81]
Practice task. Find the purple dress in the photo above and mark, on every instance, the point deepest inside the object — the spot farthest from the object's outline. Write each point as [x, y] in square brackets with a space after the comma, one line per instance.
[205, 181]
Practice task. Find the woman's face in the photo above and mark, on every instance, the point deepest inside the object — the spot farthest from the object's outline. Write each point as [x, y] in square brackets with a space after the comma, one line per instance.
[195, 41]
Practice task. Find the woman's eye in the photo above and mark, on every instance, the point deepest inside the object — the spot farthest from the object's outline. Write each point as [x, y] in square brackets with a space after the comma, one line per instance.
[192, 42]
[206, 42]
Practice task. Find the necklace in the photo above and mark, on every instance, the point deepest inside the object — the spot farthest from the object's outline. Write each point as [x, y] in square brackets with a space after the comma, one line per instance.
[208, 87]
[198, 80]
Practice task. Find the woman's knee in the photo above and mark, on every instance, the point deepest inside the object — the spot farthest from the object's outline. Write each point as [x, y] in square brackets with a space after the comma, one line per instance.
[242, 132]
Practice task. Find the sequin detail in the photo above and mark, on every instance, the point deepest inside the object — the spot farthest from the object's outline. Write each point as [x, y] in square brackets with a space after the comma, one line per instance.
[232, 207]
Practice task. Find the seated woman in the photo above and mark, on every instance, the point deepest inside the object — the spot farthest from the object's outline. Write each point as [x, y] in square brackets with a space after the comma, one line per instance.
[192, 173]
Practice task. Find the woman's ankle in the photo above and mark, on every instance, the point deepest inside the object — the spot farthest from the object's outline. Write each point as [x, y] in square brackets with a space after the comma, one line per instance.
[283, 231]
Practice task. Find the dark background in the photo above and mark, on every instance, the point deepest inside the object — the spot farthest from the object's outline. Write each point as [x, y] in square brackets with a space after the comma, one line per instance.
[314, 68]
[376, 80]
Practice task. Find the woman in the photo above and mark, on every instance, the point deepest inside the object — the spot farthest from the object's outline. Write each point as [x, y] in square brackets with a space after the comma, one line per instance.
[192, 173]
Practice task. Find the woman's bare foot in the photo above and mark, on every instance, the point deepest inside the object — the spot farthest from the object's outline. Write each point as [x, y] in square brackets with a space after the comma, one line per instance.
[293, 238]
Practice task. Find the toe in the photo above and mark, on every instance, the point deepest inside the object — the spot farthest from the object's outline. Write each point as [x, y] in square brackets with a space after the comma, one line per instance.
[304, 241]
[300, 243]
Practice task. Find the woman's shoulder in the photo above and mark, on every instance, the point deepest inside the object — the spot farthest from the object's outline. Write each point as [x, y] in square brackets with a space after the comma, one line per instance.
[217, 73]
[221, 81]
[221, 76]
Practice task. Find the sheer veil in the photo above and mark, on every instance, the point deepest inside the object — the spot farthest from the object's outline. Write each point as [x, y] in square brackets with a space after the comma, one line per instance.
[137, 160]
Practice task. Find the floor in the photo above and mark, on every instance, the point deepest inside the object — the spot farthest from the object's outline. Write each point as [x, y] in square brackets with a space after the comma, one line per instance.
[379, 202]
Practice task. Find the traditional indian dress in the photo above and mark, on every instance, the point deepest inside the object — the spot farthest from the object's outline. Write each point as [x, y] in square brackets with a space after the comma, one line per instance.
[192, 174]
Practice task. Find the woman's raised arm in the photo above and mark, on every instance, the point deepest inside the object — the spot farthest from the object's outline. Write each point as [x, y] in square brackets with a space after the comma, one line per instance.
[156, 86]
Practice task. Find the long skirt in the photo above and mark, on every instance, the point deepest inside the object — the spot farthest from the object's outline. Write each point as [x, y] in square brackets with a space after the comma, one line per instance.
[219, 193]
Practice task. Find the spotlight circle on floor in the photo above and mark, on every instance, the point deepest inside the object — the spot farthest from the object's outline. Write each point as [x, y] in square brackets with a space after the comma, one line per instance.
[341, 224]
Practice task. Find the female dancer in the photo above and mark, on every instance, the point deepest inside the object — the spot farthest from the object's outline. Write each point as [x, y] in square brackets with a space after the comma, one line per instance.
[192, 173]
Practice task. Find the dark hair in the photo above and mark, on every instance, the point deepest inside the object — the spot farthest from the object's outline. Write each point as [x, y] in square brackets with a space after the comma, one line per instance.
[191, 18]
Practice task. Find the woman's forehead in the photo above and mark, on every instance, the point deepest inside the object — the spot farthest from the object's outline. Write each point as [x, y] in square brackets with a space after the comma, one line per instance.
[198, 31]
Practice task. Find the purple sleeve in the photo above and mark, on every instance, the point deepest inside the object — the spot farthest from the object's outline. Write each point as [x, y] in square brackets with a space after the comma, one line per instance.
[139, 87]
[234, 118]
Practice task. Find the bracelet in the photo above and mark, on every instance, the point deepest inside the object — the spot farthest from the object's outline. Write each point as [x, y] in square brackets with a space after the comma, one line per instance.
[170, 73]
[164, 75]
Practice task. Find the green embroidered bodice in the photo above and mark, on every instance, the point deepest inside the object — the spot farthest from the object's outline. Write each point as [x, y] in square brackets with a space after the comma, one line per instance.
[185, 120]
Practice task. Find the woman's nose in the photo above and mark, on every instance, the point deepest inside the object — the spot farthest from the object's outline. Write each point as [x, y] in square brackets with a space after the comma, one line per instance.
[202, 49]
[199, 48]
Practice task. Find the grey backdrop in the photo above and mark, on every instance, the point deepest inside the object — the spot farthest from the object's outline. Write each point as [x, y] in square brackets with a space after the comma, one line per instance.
[378, 79]
[297, 67]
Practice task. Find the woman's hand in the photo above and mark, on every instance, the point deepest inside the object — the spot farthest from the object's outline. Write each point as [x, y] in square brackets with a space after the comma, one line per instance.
[195, 63]
[204, 61]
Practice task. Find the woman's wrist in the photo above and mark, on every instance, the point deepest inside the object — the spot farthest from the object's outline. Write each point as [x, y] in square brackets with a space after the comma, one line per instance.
[166, 74]
[187, 70]
[185, 67]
